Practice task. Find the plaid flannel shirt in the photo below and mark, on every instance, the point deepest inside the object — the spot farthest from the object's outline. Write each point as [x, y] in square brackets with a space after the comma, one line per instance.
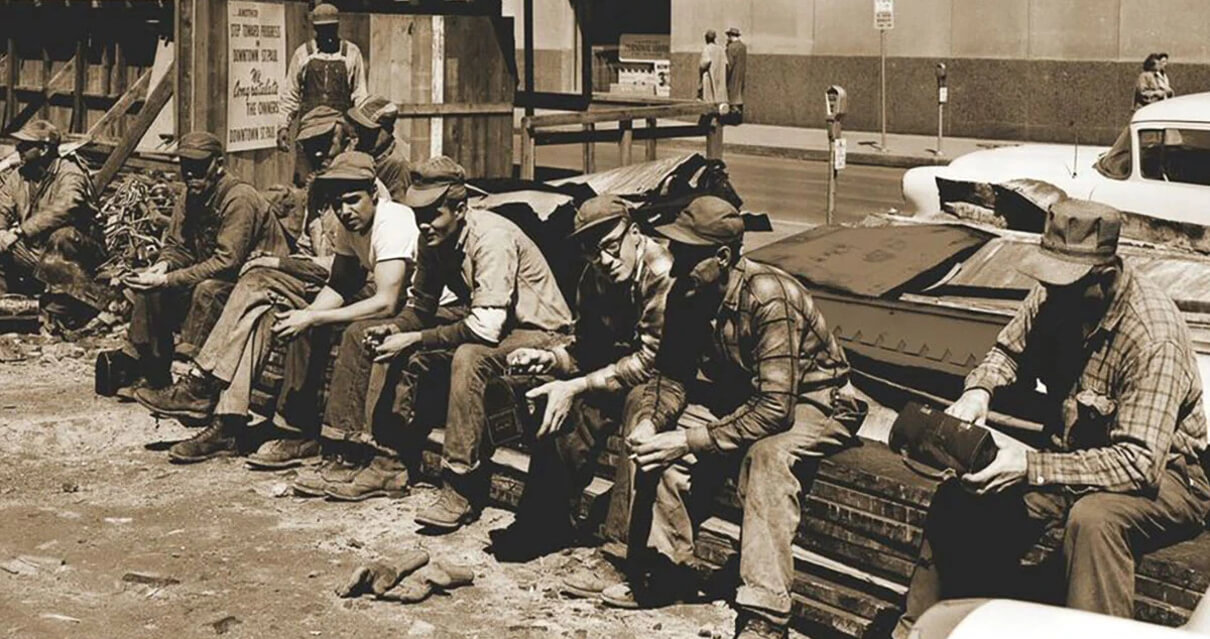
[1129, 396]
[769, 333]
[625, 318]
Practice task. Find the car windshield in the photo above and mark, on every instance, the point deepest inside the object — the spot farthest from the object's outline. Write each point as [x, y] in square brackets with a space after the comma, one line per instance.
[1115, 163]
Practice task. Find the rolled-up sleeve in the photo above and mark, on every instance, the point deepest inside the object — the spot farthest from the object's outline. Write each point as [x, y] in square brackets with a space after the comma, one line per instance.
[1000, 366]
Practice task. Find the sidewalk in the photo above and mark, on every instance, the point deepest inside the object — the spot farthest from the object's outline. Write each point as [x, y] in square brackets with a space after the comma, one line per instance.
[903, 151]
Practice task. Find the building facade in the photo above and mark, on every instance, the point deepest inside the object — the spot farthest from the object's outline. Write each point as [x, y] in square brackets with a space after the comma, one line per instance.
[1042, 70]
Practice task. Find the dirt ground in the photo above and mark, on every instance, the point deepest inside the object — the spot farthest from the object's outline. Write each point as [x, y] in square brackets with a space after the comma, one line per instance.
[91, 510]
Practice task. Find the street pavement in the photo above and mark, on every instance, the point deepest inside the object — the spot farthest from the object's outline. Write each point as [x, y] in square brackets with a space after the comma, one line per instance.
[793, 192]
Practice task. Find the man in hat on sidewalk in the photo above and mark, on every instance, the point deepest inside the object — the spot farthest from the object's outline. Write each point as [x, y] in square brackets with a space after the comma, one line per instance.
[1124, 403]
[48, 214]
[620, 305]
[373, 122]
[218, 225]
[325, 71]
[737, 71]
[779, 384]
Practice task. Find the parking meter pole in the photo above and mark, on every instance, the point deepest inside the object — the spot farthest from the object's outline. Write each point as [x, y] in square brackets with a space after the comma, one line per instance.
[835, 107]
[940, 126]
[942, 98]
[882, 83]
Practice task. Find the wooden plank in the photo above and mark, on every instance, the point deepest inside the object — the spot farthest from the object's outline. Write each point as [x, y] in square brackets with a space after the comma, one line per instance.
[627, 113]
[183, 37]
[40, 100]
[454, 109]
[651, 150]
[12, 72]
[528, 159]
[155, 102]
[78, 113]
[590, 150]
[615, 135]
[120, 107]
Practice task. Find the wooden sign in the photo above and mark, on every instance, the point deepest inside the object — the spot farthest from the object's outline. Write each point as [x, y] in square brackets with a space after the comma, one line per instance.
[256, 72]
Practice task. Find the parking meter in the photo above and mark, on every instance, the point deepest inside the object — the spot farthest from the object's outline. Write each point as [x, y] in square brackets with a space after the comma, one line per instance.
[836, 105]
[942, 88]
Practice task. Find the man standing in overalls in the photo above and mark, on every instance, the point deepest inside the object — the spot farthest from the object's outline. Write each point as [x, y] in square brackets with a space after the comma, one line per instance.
[325, 71]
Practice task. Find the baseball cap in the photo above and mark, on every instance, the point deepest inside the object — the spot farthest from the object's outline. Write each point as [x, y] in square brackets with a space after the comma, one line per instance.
[597, 211]
[325, 13]
[199, 145]
[39, 131]
[373, 112]
[733, 31]
[432, 179]
[1079, 235]
[318, 121]
[351, 166]
[707, 221]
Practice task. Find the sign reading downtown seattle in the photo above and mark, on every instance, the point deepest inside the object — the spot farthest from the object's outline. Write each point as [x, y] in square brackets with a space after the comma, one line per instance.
[256, 67]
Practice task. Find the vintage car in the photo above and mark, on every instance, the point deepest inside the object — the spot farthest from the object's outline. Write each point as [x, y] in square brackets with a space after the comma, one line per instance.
[1159, 166]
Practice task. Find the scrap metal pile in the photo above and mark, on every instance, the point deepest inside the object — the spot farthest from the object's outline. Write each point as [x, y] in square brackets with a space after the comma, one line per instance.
[135, 210]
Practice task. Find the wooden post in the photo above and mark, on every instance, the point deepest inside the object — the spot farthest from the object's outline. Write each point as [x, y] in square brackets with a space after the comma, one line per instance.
[130, 139]
[10, 88]
[44, 111]
[528, 43]
[528, 149]
[590, 150]
[79, 115]
[714, 140]
[652, 123]
[627, 128]
[120, 106]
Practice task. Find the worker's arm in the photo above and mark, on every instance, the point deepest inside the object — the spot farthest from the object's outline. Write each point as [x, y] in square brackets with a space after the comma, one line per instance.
[291, 95]
[238, 231]
[68, 192]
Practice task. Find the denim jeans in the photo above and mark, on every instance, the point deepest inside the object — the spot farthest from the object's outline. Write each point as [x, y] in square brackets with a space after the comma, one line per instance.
[157, 314]
[562, 466]
[770, 492]
[973, 545]
[472, 365]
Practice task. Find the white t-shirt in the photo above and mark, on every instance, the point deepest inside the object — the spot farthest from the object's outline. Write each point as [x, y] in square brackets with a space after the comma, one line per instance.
[393, 236]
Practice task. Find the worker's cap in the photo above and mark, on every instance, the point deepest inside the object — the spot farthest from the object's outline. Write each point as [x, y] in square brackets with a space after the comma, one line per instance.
[707, 221]
[733, 31]
[350, 166]
[373, 112]
[1079, 235]
[39, 131]
[434, 179]
[325, 13]
[199, 145]
[597, 212]
[318, 121]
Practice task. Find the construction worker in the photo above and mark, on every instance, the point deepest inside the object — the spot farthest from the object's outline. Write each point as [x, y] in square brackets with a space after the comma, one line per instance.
[373, 123]
[325, 71]
[48, 214]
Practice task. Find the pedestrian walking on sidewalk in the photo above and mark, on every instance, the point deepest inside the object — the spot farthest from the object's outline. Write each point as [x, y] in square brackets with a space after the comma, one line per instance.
[737, 68]
[713, 69]
[1152, 85]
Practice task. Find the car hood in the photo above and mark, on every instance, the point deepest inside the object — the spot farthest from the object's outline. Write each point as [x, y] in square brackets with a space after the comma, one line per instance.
[1049, 162]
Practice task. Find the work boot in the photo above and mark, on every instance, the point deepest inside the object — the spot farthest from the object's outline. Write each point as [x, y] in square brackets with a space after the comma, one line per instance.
[314, 482]
[750, 626]
[449, 513]
[668, 585]
[219, 439]
[278, 454]
[589, 580]
[190, 401]
[382, 477]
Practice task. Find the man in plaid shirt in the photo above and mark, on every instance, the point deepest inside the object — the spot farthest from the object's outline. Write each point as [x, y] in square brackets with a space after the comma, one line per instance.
[780, 381]
[1122, 475]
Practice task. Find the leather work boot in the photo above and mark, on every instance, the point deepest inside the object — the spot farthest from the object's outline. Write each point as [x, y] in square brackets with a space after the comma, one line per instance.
[749, 626]
[219, 439]
[190, 401]
[277, 454]
[314, 482]
[382, 477]
[449, 513]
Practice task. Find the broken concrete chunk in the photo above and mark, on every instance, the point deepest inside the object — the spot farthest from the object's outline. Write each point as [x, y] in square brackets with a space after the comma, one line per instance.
[222, 626]
[150, 579]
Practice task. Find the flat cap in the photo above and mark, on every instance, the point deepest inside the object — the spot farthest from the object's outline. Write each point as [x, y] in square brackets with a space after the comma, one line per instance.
[325, 13]
[733, 31]
[199, 145]
[318, 121]
[597, 211]
[373, 112]
[39, 131]
[707, 221]
[432, 179]
[350, 166]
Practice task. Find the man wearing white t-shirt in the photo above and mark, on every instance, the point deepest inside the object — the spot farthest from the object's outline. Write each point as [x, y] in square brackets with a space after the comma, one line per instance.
[376, 238]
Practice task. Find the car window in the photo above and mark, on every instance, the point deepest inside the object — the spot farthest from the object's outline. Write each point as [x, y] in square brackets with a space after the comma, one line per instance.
[1115, 163]
[1175, 155]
